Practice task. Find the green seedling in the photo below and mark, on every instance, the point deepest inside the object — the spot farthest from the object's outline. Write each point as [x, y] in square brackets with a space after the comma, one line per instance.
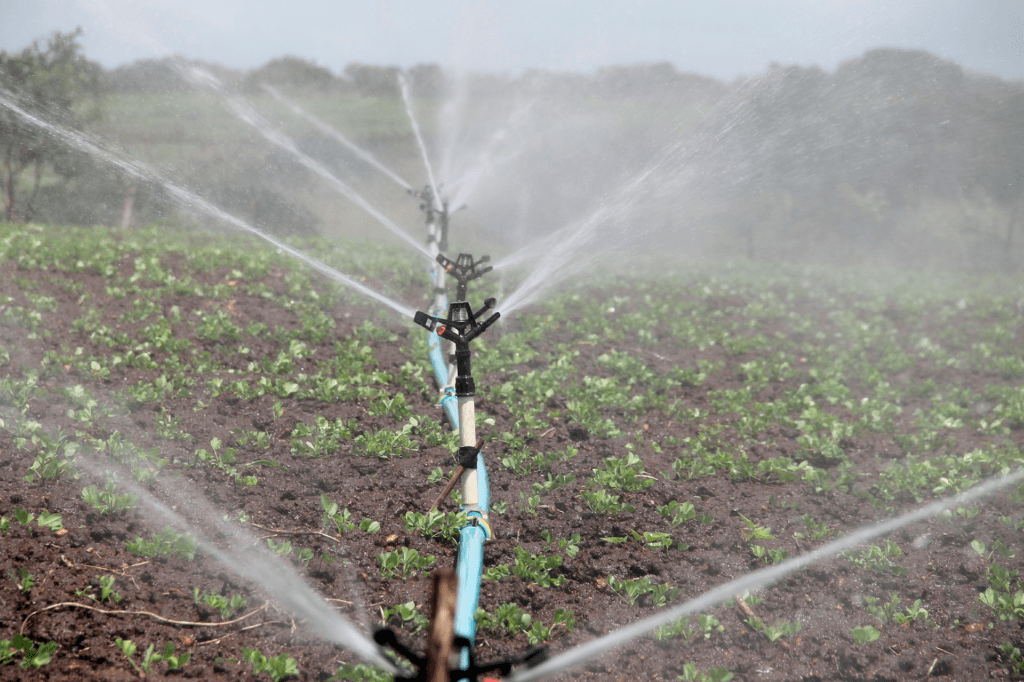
[23, 517]
[107, 592]
[552, 483]
[635, 590]
[435, 523]
[168, 542]
[32, 655]
[877, 558]
[692, 674]
[653, 539]
[497, 573]
[1000, 577]
[225, 606]
[339, 521]
[570, 545]
[385, 444]
[864, 634]
[530, 503]
[1005, 605]
[689, 629]
[23, 579]
[818, 530]
[278, 667]
[511, 619]
[283, 548]
[403, 562]
[622, 473]
[754, 531]
[532, 568]
[361, 672]
[602, 502]
[890, 612]
[775, 632]
[1012, 654]
[107, 501]
[404, 613]
[676, 513]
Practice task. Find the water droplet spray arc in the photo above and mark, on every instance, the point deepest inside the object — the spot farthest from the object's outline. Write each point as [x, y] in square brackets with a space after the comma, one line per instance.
[193, 201]
[246, 113]
[407, 98]
[336, 135]
[242, 557]
[764, 577]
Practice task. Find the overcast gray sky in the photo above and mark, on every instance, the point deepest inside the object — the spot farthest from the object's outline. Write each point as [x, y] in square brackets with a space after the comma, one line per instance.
[720, 38]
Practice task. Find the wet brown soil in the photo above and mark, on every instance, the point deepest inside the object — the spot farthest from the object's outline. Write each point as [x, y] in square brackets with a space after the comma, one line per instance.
[958, 641]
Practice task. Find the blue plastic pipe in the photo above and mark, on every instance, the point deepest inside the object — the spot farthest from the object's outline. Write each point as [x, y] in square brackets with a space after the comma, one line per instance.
[471, 561]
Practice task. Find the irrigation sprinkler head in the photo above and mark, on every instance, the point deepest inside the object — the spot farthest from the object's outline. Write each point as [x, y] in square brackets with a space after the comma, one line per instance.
[427, 205]
[460, 327]
[463, 269]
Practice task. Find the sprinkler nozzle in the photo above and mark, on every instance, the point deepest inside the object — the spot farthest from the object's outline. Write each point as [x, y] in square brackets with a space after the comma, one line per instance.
[425, 321]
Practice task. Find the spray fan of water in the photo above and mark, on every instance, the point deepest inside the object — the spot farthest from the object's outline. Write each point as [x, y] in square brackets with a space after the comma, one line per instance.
[193, 201]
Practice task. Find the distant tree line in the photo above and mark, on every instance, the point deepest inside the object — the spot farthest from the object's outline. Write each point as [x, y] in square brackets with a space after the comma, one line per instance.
[893, 145]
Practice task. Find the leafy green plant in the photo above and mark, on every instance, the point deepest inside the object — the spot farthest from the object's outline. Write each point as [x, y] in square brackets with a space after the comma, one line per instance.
[510, 618]
[689, 629]
[23, 579]
[864, 634]
[361, 672]
[818, 530]
[435, 523]
[107, 592]
[775, 632]
[890, 611]
[532, 568]
[225, 606]
[877, 557]
[404, 613]
[602, 502]
[676, 513]
[569, 545]
[278, 667]
[403, 562]
[653, 539]
[1008, 650]
[1006, 606]
[385, 444]
[150, 657]
[107, 500]
[622, 473]
[340, 521]
[32, 655]
[692, 674]
[635, 590]
[168, 542]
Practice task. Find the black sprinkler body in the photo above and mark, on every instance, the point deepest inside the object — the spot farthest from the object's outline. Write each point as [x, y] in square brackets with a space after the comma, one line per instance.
[460, 327]
[464, 270]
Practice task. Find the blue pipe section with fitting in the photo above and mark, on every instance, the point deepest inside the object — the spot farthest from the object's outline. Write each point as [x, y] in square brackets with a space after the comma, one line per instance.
[471, 561]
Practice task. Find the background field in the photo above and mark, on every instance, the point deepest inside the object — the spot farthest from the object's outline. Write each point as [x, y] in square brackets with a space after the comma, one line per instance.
[648, 439]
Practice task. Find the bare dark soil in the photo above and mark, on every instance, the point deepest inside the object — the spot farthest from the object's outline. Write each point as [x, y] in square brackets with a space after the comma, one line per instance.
[942, 570]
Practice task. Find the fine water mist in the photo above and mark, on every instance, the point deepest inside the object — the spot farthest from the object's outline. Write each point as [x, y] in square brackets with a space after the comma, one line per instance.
[337, 136]
[249, 115]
